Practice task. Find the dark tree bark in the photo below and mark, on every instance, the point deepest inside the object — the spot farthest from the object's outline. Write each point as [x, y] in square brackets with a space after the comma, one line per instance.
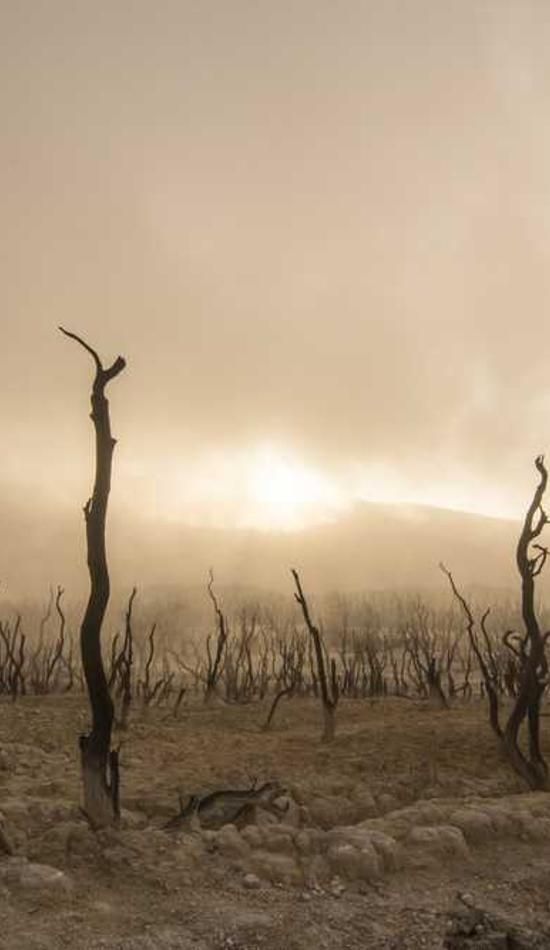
[287, 691]
[530, 558]
[120, 678]
[215, 664]
[484, 658]
[99, 762]
[329, 689]
[532, 674]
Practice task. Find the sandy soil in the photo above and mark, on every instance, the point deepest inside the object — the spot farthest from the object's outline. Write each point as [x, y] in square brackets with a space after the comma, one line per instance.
[395, 767]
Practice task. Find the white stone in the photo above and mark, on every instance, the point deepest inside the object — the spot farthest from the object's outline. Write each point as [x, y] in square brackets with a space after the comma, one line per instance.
[251, 881]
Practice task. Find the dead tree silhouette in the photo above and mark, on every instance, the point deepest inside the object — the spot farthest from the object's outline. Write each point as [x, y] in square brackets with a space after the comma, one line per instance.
[99, 762]
[529, 649]
[215, 663]
[329, 687]
[530, 558]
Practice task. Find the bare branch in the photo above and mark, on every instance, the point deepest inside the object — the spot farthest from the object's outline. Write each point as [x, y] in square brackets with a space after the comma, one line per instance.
[87, 347]
[103, 376]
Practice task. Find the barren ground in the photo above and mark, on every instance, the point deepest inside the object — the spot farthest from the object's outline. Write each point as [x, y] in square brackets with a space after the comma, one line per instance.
[407, 820]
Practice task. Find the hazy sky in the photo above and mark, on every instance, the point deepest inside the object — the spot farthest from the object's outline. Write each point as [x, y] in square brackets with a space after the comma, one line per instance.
[318, 231]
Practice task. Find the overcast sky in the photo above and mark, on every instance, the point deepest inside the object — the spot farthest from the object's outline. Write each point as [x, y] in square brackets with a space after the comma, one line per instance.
[318, 231]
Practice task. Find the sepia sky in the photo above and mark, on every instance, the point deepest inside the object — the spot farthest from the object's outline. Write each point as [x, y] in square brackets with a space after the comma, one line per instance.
[319, 232]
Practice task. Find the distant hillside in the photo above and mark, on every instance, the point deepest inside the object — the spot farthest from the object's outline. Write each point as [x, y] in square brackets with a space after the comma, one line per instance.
[373, 547]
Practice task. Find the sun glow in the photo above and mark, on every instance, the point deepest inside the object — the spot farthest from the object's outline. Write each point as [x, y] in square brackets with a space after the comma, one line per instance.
[267, 487]
[282, 493]
[260, 487]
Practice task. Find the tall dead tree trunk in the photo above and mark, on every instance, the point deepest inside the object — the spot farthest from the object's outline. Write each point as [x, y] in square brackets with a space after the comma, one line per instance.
[99, 762]
[530, 558]
[329, 689]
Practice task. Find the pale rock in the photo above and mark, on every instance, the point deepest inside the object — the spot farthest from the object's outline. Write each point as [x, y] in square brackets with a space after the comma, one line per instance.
[189, 854]
[300, 793]
[289, 810]
[337, 887]
[252, 882]
[45, 878]
[265, 818]
[425, 813]
[400, 822]
[207, 835]
[354, 863]
[279, 840]
[230, 843]
[330, 811]
[386, 847]
[476, 825]
[29, 876]
[277, 868]
[502, 821]
[253, 836]
[132, 819]
[364, 836]
[427, 845]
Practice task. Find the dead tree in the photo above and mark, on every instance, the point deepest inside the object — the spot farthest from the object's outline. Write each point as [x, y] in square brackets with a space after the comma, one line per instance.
[532, 675]
[12, 660]
[53, 657]
[530, 558]
[153, 691]
[483, 652]
[120, 679]
[287, 691]
[215, 663]
[328, 689]
[99, 762]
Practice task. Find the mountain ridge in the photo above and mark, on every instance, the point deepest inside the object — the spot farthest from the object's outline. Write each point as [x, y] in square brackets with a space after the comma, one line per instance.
[372, 546]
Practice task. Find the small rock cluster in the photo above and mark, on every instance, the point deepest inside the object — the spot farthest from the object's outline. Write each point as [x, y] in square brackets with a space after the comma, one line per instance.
[420, 836]
[300, 849]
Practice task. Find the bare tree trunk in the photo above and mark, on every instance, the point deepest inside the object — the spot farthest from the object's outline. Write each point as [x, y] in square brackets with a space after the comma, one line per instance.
[99, 762]
[329, 691]
[531, 558]
[120, 680]
[215, 664]
[485, 662]
[286, 691]
[531, 653]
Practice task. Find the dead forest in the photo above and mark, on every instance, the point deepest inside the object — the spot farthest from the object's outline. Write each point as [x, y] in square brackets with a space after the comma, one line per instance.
[405, 648]
[318, 742]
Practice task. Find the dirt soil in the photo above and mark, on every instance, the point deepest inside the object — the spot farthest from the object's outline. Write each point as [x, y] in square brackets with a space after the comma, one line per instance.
[453, 853]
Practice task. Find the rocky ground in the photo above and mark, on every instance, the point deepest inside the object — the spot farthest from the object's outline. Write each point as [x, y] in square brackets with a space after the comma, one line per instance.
[407, 832]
